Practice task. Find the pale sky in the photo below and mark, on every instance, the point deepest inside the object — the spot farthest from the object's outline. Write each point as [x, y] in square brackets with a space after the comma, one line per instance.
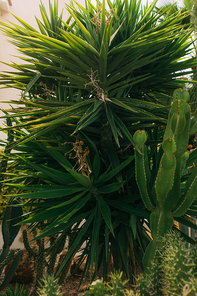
[159, 3]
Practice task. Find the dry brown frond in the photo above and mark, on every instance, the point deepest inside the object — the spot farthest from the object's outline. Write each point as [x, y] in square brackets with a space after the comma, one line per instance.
[94, 83]
[80, 155]
[109, 14]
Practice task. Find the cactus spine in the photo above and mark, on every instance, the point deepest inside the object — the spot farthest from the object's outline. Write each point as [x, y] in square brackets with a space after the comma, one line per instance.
[164, 199]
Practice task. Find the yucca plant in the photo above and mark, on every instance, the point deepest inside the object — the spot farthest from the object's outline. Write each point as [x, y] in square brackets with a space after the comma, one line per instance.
[89, 83]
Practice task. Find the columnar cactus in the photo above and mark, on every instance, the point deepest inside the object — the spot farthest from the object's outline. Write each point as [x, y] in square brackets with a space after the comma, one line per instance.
[40, 253]
[164, 199]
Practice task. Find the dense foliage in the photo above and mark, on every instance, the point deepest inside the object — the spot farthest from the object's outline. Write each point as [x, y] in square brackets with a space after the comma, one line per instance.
[89, 83]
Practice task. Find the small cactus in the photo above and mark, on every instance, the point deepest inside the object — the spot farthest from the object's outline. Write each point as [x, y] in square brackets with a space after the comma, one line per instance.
[49, 287]
[99, 288]
[117, 284]
[116, 287]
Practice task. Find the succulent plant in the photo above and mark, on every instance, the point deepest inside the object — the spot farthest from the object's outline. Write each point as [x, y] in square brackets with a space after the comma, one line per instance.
[49, 286]
[178, 265]
[173, 273]
[99, 288]
[117, 284]
[151, 283]
[164, 198]
[116, 287]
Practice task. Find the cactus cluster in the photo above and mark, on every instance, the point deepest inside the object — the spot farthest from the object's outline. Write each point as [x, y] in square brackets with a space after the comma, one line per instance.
[173, 273]
[49, 287]
[116, 287]
[11, 217]
[179, 266]
[163, 197]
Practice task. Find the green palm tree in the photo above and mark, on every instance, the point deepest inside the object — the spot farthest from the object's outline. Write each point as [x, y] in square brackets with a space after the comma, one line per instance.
[88, 84]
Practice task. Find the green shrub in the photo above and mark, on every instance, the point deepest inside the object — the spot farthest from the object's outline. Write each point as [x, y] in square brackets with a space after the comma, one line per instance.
[102, 75]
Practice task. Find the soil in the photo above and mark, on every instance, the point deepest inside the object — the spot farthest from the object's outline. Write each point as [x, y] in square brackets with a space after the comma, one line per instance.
[24, 275]
[71, 288]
